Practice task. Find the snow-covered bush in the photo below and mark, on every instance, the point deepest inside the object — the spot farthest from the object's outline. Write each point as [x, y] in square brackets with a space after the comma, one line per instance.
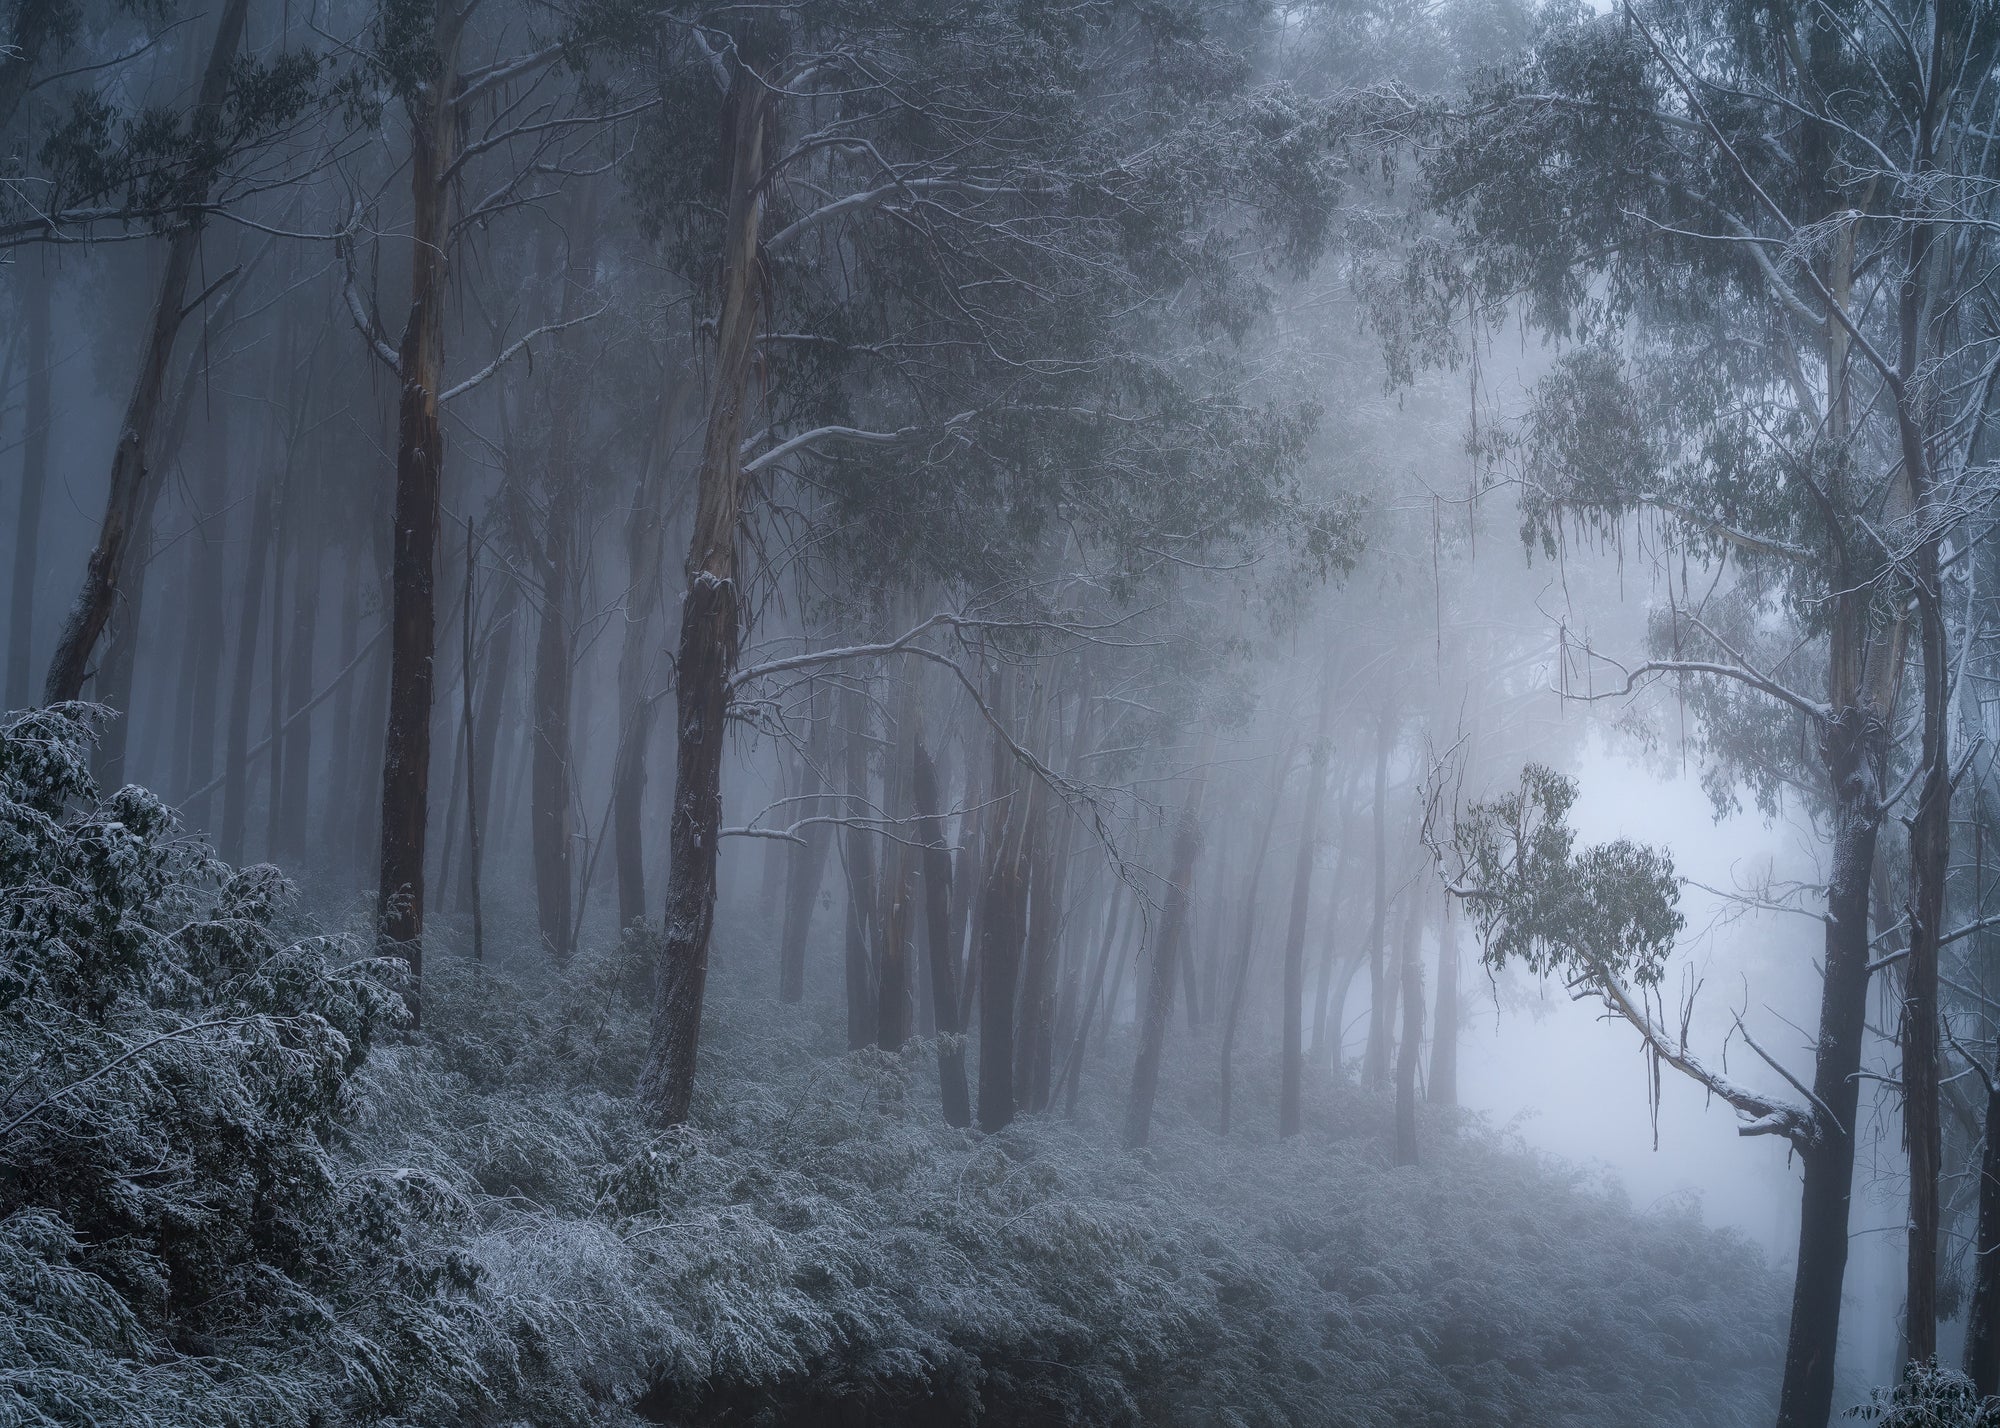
[1930, 1397]
[228, 1196]
[179, 1242]
[818, 1247]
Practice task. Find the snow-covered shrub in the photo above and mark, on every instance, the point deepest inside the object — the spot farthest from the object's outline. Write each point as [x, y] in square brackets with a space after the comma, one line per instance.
[1930, 1397]
[178, 1241]
[818, 1247]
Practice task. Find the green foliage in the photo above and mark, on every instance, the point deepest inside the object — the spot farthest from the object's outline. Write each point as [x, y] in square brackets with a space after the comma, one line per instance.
[1609, 910]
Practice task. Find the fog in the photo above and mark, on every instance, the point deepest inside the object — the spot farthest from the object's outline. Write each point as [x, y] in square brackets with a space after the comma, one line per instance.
[875, 711]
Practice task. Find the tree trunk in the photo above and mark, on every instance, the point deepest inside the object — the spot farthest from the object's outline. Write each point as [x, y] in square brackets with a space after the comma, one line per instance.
[39, 415]
[495, 657]
[406, 748]
[899, 881]
[1000, 930]
[236, 788]
[209, 620]
[640, 667]
[1073, 1068]
[1982, 1320]
[1246, 936]
[550, 795]
[468, 668]
[1411, 970]
[943, 956]
[1291, 1005]
[807, 869]
[131, 475]
[710, 618]
[1159, 999]
[113, 683]
[860, 850]
[1930, 861]
[1852, 753]
[1375, 1059]
[1443, 1088]
[294, 798]
[1048, 880]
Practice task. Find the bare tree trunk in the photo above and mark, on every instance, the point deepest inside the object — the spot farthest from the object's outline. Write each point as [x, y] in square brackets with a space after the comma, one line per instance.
[1375, 1060]
[1292, 1004]
[1246, 937]
[208, 619]
[1000, 927]
[236, 788]
[1982, 1320]
[1411, 970]
[1159, 1000]
[468, 668]
[860, 858]
[943, 956]
[1049, 879]
[495, 652]
[808, 865]
[294, 797]
[113, 682]
[131, 476]
[640, 667]
[39, 415]
[1073, 1068]
[406, 749]
[710, 631]
[1443, 1088]
[550, 796]
[899, 881]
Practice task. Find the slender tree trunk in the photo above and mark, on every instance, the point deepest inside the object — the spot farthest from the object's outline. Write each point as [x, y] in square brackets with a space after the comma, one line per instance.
[294, 798]
[468, 668]
[550, 796]
[1246, 937]
[495, 651]
[1930, 860]
[1159, 999]
[1048, 879]
[209, 619]
[641, 669]
[860, 856]
[899, 881]
[1411, 972]
[39, 415]
[710, 618]
[1443, 1088]
[807, 869]
[1291, 1005]
[943, 955]
[114, 678]
[1375, 1060]
[1073, 1068]
[406, 749]
[131, 476]
[1982, 1320]
[1001, 929]
[236, 788]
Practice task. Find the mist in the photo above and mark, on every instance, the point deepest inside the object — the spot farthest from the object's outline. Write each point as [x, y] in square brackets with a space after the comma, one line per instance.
[887, 712]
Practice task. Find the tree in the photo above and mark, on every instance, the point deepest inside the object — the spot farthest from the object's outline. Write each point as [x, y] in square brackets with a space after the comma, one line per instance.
[1693, 164]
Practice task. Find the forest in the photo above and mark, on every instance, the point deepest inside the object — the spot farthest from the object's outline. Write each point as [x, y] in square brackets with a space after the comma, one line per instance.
[1010, 712]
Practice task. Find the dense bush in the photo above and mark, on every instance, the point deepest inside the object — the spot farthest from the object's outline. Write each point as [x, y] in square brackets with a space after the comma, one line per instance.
[178, 1239]
[213, 1210]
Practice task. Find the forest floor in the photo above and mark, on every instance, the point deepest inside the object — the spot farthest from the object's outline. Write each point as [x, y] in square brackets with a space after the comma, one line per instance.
[818, 1247]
